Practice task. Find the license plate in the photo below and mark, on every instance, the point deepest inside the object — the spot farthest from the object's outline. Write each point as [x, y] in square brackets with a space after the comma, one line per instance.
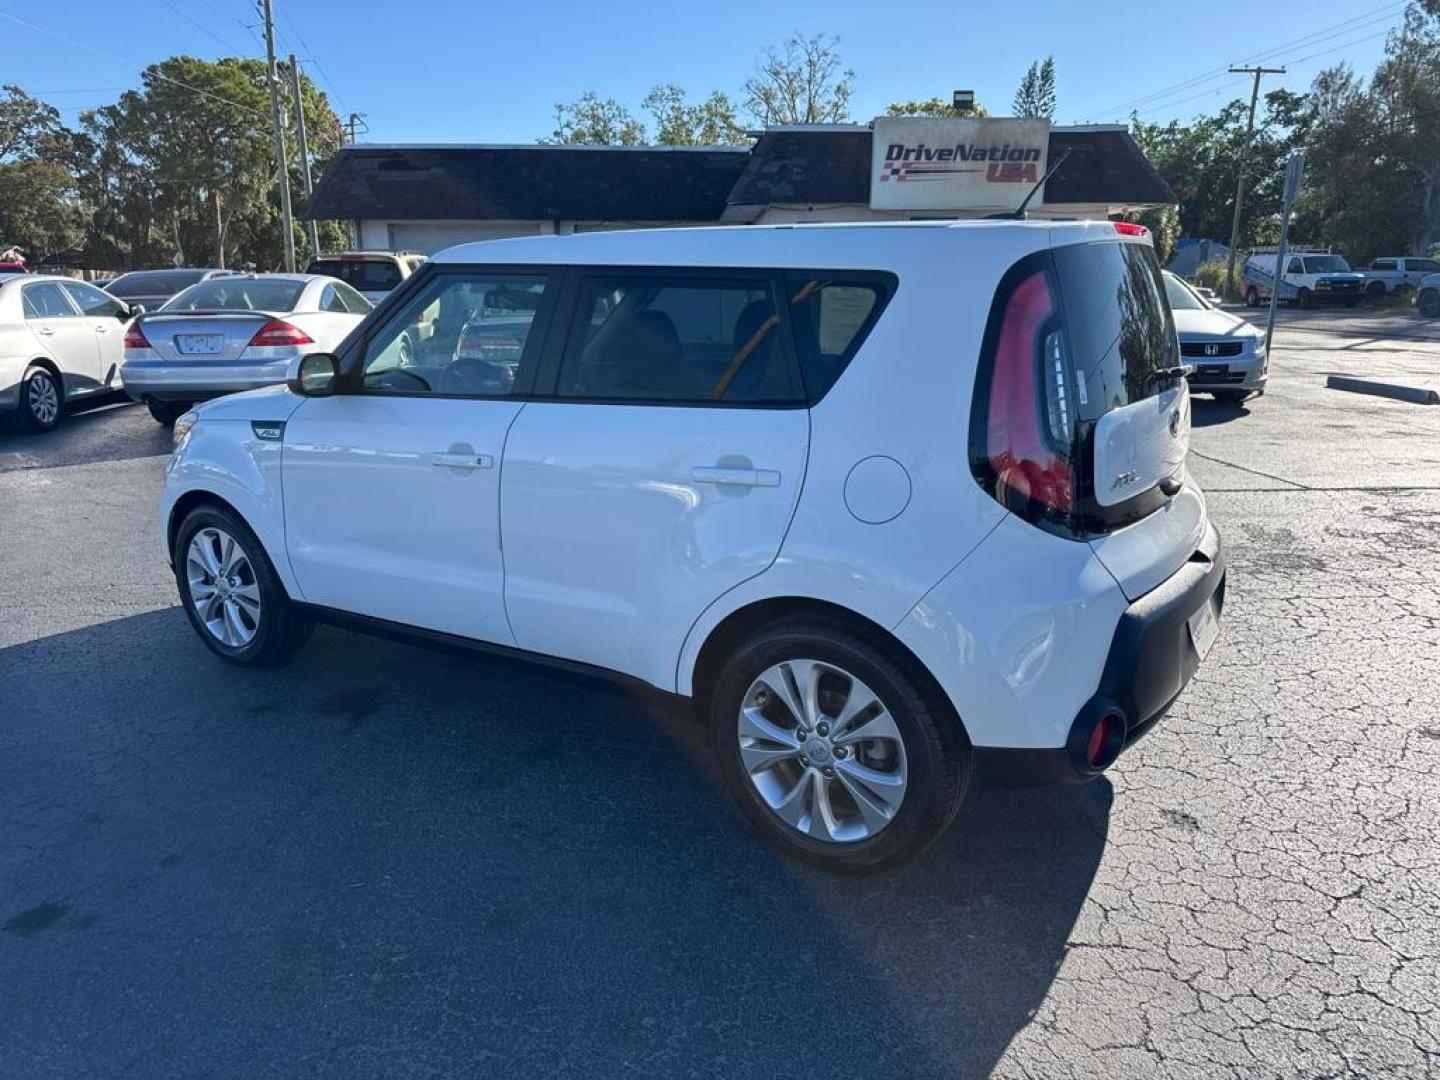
[1204, 629]
[1211, 370]
[200, 344]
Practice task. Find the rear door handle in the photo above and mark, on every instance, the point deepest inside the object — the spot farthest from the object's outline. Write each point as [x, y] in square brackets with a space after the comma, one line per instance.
[45, 330]
[461, 460]
[102, 329]
[720, 474]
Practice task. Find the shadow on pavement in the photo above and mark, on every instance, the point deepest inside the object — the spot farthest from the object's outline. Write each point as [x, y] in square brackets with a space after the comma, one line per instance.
[1207, 412]
[382, 859]
[102, 429]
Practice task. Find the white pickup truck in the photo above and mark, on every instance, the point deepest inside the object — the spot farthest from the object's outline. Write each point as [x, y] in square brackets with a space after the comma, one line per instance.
[1397, 274]
[1311, 276]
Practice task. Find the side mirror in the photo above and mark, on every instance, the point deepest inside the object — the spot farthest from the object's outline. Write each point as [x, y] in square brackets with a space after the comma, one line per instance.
[313, 375]
[132, 311]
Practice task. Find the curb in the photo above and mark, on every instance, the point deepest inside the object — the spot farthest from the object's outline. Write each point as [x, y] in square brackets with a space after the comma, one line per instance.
[1418, 395]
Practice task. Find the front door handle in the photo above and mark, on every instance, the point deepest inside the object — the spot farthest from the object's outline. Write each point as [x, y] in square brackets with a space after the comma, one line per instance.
[738, 477]
[461, 459]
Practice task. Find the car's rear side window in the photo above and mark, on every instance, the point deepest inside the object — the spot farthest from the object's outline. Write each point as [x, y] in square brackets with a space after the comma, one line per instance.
[832, 312]
[374, 275]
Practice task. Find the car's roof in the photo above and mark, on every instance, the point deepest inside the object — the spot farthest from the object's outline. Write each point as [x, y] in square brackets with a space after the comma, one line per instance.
[876, 243]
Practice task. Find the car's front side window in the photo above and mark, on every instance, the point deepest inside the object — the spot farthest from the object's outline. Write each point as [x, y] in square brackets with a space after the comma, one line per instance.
[463, 334]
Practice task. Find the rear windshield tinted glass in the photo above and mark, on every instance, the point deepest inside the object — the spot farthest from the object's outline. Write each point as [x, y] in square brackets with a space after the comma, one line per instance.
[153, 282]
[833, 313]
[238, 294]
[1121, 331]
[367, 275]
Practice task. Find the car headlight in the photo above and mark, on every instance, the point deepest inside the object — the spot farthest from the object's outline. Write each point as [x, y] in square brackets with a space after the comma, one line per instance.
[183, 424]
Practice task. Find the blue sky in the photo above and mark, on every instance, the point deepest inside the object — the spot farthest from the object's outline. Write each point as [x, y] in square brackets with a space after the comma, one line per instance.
[481, 71]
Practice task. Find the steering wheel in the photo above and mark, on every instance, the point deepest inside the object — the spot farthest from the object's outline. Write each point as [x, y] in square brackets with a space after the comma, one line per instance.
[424, 385]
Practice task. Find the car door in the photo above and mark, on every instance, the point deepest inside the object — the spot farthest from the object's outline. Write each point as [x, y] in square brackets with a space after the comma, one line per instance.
[62, 334]
[391, 486]
[663, 471]
[106, 318]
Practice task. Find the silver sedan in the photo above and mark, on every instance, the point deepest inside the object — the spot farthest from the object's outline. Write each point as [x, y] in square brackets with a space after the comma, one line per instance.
[234, 333]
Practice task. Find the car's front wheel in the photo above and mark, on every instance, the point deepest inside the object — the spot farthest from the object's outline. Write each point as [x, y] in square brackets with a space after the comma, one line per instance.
[1305, 298]
[833, 750]
[1252, 297]
[230, 591]
[1429, 303]
[40, 399]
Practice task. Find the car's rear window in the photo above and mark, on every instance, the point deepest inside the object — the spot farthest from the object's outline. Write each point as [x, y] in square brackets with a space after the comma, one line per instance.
[238, 294]
[367, 275]
[153, 282]
[1122, 334]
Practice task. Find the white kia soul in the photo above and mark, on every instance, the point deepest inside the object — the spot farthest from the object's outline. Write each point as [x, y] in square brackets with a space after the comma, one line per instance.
[892, 504]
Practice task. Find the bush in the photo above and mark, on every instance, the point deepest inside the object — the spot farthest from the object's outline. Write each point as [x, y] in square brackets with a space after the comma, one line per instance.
[1212, 275]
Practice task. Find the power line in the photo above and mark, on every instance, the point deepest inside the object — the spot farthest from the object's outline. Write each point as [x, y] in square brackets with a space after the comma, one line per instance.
[120, 60]
[202, 27]
[315, 59]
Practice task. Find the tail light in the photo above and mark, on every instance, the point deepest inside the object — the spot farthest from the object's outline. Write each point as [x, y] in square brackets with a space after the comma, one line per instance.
[135, 337]
[280, 332]
[1029, 419]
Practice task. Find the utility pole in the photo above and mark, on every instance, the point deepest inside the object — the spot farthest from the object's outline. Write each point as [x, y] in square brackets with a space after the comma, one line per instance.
[287, 222]
[311, 228]
[1244, 160]
[352, 121]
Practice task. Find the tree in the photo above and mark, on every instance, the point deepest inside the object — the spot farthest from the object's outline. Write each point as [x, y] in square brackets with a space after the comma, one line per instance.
[933, 107]
[1036, 95]
[28, 127]
[591, 121]
[711, 122]
[801, 82]
[38, 211]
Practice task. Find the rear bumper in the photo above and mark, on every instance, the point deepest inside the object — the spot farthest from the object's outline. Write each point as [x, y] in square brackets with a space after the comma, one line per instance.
[148, 380]
[1151, 658]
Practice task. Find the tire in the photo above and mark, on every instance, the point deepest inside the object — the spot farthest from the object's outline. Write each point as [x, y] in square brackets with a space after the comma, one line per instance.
[1230, 397]
[1252, 297]
[1429, 303]
[1351, 303]
[167, 412]
[1375, 290]
[276, 628]
[1305, 298]
[42, 399]
[922, 745]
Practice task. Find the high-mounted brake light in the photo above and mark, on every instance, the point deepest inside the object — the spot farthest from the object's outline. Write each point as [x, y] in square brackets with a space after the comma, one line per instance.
[1029, 388]
[279, 332]
[135, 337]
[1130, 228]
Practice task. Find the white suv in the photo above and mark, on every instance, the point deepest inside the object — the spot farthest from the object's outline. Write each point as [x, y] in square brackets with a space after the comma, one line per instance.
[891, 504]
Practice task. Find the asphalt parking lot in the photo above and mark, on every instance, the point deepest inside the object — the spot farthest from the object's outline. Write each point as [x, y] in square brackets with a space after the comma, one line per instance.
[387, 861]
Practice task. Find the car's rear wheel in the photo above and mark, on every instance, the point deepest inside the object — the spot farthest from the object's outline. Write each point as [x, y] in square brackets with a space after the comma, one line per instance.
[40, 399]
[1429, 303]
[167, 412]
[1252, 297]
[1375, 290]
[230, 591]
[833, 750]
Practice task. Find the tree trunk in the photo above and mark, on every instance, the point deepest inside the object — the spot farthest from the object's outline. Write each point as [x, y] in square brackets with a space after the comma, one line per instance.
[219, 230]
[1430, 226]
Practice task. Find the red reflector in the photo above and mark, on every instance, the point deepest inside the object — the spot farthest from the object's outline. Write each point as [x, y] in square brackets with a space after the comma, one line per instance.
[279, 332]
[1095, 745]
[1130, 228]
[1024, 463]
[135, 337]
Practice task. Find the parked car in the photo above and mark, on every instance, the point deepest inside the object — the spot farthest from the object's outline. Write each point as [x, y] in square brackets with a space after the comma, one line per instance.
[880, 531]
[150, 289]
[1397, 274]
[233, 333]
[1226, 354]
[11, 269]
[1427, 296]
[60, 341]
[373, 273]
[1310, 277]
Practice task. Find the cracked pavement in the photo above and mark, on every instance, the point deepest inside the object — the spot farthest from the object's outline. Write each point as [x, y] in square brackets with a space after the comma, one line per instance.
[388, 861]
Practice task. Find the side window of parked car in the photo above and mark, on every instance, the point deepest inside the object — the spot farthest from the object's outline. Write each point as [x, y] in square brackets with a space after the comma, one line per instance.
[92, 302]
[1295, 267]
[1384, 264]
[330, 300]
[46, 301]
[832, 313]
[464, 334]
[672, 338]
[351, 300]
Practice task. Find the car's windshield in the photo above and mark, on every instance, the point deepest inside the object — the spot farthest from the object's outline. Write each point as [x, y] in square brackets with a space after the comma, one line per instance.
[367, 275]
[238, 294]
[1180, 296]
[1325, 264]
[153, 282]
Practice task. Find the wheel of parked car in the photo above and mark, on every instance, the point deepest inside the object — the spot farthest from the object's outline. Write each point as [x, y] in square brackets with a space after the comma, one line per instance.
[1429, 303]
[1252, 297]
[166, 412]
[231, 592]
[1305, 298]
[1375, 290]
[833, 750]
[40, 399]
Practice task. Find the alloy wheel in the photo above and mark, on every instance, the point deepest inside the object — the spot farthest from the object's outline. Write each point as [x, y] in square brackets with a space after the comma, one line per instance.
[822, 751]
[223, 587]
[42, 398]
